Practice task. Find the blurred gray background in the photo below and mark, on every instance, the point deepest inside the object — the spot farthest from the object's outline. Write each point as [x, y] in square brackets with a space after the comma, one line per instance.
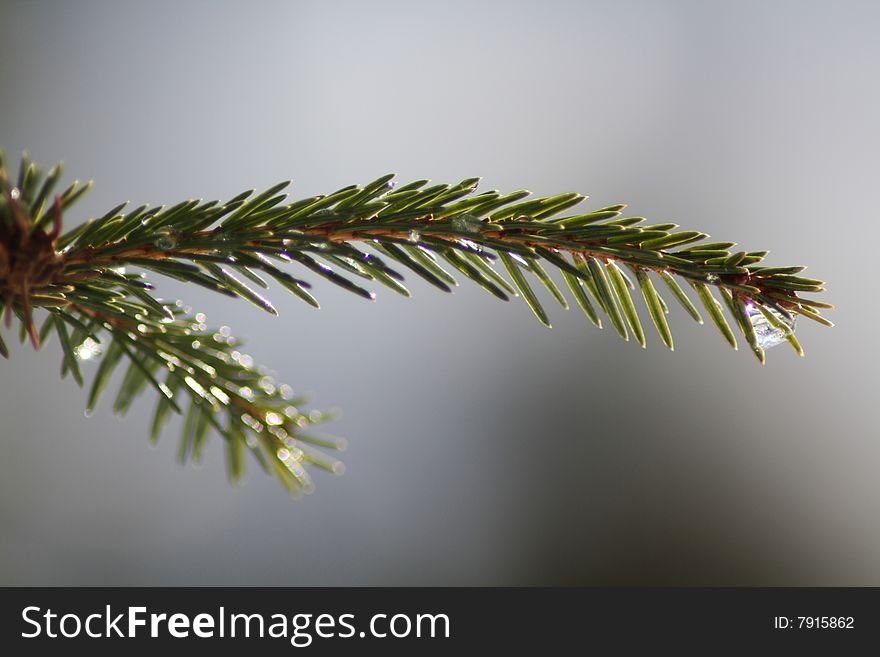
[485, 450]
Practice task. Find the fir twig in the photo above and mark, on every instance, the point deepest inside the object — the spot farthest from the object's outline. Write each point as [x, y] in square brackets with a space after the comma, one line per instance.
[359, 234]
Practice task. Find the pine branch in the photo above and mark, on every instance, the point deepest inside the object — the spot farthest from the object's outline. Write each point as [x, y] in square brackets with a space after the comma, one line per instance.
[352, 237]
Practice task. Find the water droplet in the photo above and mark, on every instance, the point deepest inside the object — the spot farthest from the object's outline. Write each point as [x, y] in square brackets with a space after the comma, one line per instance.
[246, 392]
[196, 344]
[274, 419]
[285, 391]
[712, 278]
[165, 241]
[200, 317]
[225, 331]
[88, 412]
[769, 335]
[414, 236]
[466, 223]
[14, 193]
[88, 349]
